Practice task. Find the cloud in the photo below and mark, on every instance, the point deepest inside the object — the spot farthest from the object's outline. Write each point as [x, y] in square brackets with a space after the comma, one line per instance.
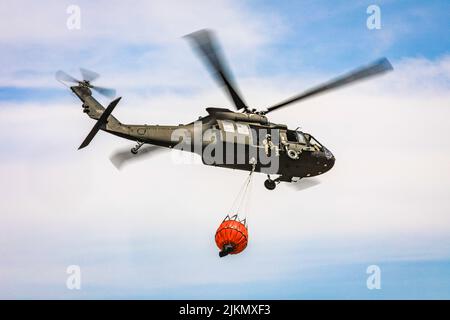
[142, 38]
[157, 21]
[150, 227]
[147, 231]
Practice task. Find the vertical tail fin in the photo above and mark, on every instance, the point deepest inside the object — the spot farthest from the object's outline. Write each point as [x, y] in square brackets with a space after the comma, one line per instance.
[102, 120]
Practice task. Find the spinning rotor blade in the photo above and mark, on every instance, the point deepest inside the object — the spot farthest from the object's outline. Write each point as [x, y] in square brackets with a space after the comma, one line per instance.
[124, 156]
[107, 92]
[304, 184]
[64, 77]
[378, 67]
[208, 49]
[89, 75]
[101, 121]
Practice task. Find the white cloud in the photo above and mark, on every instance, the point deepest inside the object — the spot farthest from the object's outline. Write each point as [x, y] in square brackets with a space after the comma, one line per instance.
[150, 227]
[144, 229]
[144, 21]
[38, 43]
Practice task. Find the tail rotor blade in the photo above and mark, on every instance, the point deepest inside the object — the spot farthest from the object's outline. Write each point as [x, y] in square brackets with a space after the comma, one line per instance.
[89, 75]
[103, 118]
[64, 77]
[107, 92]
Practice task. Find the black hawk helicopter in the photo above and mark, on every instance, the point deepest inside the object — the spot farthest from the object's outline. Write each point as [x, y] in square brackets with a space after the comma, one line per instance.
[244, 139]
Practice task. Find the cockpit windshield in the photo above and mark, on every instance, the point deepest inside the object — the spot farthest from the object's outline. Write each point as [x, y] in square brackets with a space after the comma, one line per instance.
[296, 136]
[301, 138]
[313, 142]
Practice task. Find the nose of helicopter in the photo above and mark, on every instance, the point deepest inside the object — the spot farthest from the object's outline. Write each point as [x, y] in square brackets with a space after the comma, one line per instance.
[329, 158]
[325, 160]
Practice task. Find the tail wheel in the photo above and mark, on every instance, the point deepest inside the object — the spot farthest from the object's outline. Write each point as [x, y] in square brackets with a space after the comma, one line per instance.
[135, 149]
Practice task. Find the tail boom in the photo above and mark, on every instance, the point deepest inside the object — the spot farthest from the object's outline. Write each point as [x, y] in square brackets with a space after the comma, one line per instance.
[151, 134]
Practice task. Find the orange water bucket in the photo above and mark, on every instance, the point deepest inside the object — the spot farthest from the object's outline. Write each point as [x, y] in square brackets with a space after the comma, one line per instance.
[231, 236]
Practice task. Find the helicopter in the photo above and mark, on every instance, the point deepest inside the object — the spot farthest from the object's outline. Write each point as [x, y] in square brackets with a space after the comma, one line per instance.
[242, 139]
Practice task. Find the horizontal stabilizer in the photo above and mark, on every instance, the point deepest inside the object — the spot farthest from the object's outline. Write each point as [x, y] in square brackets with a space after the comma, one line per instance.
[102, 120]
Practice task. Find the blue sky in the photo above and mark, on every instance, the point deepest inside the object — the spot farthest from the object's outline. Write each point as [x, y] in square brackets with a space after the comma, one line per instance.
[415, 28]
[408, 280]
[308, 37]
[379, 205]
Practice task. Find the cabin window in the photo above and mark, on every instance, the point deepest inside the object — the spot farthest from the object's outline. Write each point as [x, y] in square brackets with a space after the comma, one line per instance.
[228, 126]
[291, 135]
[242, 129]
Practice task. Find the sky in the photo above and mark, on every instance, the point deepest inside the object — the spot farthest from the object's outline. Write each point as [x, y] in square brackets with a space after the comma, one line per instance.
[147, 231]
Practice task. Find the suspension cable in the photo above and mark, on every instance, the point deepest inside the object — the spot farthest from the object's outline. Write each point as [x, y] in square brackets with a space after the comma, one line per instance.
[239, 201]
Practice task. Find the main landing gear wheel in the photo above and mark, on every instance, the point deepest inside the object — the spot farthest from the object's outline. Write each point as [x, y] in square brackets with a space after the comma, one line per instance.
[270, 184]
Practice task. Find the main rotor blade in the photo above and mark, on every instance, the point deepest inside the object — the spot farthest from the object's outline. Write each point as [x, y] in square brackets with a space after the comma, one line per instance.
[378, 67]
[207, 47]
[303, 184]
[89, 75]
[110, 93]
[62, 76]
[124, 156]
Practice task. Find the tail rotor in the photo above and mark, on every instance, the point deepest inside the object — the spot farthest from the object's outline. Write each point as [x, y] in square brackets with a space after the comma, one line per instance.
[88, 77]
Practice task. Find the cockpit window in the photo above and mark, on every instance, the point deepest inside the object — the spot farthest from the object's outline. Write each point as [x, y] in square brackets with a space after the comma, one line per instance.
[291, 135]
[301, 138]
[314, 143]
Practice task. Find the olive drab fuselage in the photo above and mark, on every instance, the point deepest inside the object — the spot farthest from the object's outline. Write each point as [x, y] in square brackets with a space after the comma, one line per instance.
[246, 140]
